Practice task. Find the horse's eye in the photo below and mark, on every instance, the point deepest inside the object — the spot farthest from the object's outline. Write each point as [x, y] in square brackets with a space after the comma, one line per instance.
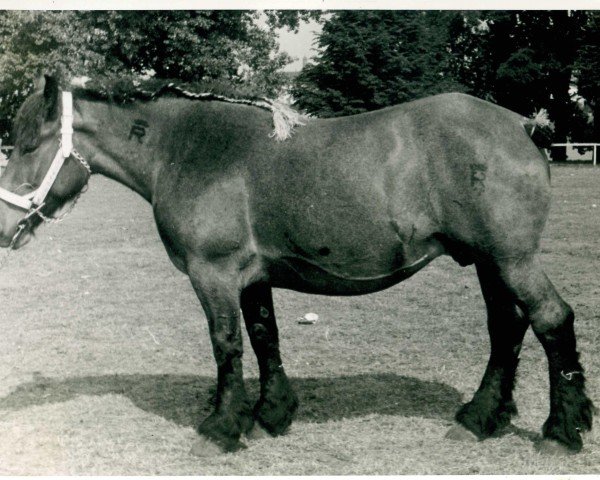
[29, 148]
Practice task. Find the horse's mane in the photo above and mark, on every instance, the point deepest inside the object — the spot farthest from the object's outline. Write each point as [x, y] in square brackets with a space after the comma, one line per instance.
[28, 122]
[126, 90]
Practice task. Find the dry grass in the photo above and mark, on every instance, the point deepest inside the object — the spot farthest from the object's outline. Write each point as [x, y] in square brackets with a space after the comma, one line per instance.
[106, 361]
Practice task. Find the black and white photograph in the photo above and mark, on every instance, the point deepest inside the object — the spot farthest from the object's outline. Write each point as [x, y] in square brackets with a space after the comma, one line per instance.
[265, 240]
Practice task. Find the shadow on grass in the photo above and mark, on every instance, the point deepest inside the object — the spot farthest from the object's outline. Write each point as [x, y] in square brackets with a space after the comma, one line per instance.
[186, 399]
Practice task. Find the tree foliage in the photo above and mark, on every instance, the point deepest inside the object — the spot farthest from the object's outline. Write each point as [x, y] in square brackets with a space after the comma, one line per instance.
[29, 44]
[291, 19]
[188, 45]
[370, 59]
[522, 60]
[587, 70]
[185, 45]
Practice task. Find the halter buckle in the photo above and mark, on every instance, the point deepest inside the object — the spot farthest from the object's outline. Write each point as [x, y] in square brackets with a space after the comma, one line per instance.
[20, 229]
[34, 210]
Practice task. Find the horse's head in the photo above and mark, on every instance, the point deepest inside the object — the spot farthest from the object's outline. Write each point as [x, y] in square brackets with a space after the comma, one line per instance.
[43, 172]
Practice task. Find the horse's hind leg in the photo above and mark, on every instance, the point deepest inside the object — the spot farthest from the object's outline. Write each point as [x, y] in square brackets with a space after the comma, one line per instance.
[278, 402]
[552, 322]
[492, 405]
[220, 298]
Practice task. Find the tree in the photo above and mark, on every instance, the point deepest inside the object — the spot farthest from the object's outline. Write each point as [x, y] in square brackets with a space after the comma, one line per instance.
[522, 60]
[186, 45]
[291, 19]
[370, 59]
[29, 44]
[587, 71]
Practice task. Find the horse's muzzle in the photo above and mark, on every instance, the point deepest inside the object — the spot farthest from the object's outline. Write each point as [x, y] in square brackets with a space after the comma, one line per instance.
[15, 231]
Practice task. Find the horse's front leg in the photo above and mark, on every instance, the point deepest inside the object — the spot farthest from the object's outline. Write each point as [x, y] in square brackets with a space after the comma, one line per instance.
[278, 402]
[219, 293]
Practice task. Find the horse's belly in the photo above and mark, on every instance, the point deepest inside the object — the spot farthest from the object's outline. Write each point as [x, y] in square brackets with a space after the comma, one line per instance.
[309, 275]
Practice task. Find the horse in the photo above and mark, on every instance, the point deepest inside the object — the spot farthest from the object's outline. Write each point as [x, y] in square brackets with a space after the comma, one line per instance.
[340, 206]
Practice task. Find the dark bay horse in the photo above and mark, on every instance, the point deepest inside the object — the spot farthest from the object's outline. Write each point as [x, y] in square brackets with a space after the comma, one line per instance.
[344, 206]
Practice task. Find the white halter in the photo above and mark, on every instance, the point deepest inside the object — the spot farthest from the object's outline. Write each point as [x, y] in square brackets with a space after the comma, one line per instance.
[33, 200]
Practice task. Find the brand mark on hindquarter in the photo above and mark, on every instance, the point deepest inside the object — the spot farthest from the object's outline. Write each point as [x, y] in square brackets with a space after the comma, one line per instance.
[478, 173]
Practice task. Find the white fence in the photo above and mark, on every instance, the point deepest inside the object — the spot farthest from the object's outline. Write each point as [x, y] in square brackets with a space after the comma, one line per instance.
[574, 155]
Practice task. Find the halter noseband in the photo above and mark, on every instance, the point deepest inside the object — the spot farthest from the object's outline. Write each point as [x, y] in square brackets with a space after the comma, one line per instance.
[34, 201]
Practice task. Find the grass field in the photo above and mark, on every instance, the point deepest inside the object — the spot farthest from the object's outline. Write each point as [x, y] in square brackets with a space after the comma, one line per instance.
[106, 363]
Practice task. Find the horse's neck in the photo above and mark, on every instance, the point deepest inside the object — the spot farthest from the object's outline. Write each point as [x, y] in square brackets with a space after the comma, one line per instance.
[132, 143]
[121, 142]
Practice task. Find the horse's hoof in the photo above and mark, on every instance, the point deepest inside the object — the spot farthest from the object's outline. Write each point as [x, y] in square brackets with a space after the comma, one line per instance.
[461, 434]
[203, 447]
[554, 448]
[257, 433]
[587, 436]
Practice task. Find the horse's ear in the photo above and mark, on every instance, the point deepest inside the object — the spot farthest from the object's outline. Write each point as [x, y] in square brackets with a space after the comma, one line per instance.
[51, 91]
[38, 83]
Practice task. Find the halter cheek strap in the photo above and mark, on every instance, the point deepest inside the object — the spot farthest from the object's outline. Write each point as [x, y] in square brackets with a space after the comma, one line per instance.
[36, 198]
[66, 124]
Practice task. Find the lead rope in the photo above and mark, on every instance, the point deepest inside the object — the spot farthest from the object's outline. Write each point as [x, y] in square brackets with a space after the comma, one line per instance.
[37, 211]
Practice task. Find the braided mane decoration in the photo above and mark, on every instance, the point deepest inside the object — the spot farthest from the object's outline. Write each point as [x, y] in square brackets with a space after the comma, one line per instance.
[540, 128]
[285, 118]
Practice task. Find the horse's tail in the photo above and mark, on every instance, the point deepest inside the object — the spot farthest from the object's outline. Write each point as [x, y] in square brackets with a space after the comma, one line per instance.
[540, 128]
